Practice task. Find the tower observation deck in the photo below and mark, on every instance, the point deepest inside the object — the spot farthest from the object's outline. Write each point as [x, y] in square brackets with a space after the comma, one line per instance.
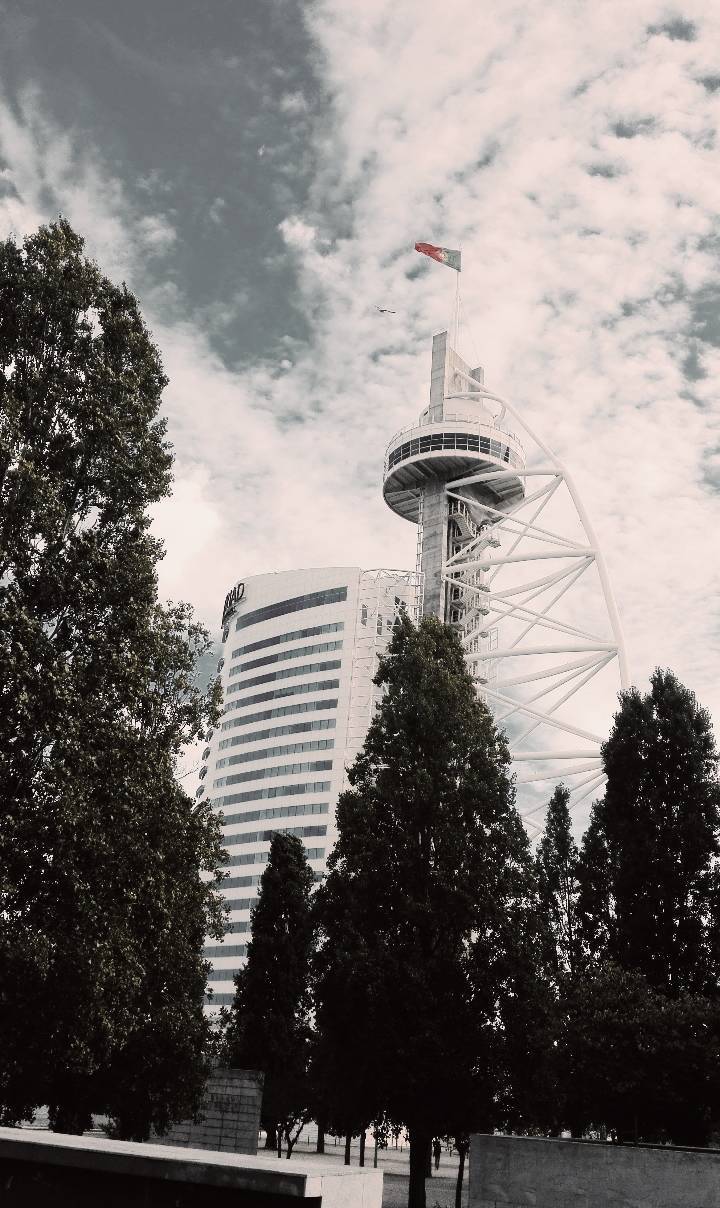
[532, 601]
[458, 436]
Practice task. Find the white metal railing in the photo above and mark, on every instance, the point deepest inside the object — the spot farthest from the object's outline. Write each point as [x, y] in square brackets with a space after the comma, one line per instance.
[469, 427]
[471, 420]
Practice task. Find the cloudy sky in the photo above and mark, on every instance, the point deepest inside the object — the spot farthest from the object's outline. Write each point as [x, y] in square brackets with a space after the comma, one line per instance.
[258, 171]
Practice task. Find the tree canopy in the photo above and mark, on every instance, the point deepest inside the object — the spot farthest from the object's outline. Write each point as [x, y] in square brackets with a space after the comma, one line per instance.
[109, 872]
[556, 863]
[649, 863]
[637, 1063]
[429, 874]
[269, 1024]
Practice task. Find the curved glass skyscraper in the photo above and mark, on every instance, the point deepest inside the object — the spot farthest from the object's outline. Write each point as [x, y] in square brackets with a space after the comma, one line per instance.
[299, 654]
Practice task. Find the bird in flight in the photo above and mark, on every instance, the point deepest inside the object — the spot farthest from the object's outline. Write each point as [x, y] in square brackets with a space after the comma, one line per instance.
[384, 311]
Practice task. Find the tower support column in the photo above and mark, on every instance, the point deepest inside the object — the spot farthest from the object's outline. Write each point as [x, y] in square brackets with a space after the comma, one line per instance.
[434, 548]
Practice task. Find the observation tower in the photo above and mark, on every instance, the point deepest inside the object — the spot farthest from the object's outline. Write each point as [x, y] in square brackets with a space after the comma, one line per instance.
[532, 601]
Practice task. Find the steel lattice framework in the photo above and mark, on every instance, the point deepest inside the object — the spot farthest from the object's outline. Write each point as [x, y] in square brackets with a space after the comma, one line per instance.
[519, 578]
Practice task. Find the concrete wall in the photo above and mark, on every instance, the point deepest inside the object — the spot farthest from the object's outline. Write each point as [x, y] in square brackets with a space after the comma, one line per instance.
[514, 1172]
[48, 1170]
[231, 1115]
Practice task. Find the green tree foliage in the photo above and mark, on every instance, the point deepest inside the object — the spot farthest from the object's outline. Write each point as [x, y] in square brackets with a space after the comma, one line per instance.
[103, 907]
[430, 869]
[269, 1020]
[649, 879]
[344, 1081]
[637, 1063]
[556, 864]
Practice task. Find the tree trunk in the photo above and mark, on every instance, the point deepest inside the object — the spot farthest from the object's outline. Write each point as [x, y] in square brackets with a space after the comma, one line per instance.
[69, 1118]
[362, 1148]
[462, 1150]
[271, 1137]
[375, 1150]
[279, 1141]
[428, 1161]
[419, 1147]
[348, 1140]
[320, 1147]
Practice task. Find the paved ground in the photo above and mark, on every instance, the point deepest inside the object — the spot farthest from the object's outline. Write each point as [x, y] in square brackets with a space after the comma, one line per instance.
[394, 1163]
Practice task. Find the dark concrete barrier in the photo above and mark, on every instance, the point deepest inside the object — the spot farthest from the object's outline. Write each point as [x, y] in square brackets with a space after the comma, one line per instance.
[229, 1118]
[515, 1172]
[51, 1170]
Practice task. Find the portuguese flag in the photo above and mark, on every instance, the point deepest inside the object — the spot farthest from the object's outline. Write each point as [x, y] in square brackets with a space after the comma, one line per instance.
[444, 255]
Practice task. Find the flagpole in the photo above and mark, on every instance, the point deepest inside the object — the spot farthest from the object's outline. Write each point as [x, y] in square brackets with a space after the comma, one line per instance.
[452, 258]
[455, 330]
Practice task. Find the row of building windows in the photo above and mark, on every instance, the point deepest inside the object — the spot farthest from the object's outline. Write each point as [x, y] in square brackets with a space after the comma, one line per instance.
[284, 673]
[224, 975]
[219, 1000]
[280, 769]
[453, 440]
[278, 693]
[314, 599]
[262, 857]
[277, 811]
[298, 727]
[295, 636]
[313, 706]
[283, 655]
[289, 748]
[283, 790]
[264, 836]
[224, 950]
[309, 744]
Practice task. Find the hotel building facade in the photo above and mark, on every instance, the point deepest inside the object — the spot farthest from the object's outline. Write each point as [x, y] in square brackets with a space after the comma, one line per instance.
[299, 654]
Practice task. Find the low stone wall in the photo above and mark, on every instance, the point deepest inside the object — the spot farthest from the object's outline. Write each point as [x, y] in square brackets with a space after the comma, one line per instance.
[49, 1170]
[515, 1172]
[230, 1115]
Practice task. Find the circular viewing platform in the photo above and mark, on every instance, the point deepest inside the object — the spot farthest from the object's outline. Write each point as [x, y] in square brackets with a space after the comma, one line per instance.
[446, 451]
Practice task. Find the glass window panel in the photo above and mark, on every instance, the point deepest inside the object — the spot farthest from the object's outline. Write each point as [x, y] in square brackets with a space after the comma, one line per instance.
[281, 711]
[294, 635]
[284, 790]
[315, 599]
[278, 693]
[289, 748]
[284, 673]
[284, 769]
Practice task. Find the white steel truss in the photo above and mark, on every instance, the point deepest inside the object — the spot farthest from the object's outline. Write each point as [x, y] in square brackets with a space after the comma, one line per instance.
[536, 631]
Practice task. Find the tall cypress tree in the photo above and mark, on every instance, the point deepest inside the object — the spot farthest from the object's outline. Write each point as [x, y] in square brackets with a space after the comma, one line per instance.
[556, 863]
[269, 1020]
[102, 904]
[649, 877]
[430, 868]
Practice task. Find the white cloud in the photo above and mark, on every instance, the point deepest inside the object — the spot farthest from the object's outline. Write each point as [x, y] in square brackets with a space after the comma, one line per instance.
[217, 210]
[498, 128]
[296, 233]
[293, 103]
